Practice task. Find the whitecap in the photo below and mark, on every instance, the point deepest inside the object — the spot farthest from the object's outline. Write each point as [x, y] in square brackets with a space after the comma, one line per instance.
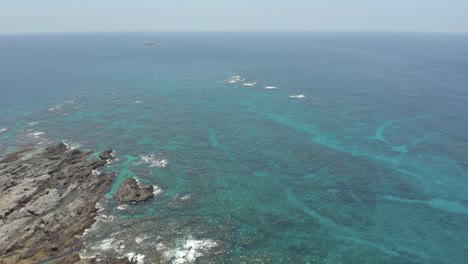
[185, 197]
[235, 79]
[156, 190]
[138, 102]
[154, 161]
[270, 87]
[187, 251]
[98, 218]
[160, 246]
[3, 130]
[134, 257]
[31, 124]
[71, 146]
[109, 244]
[99, 207]
[106, 244]
[36, 134]
[122, 207]
[56, 107]
[297, 96]
[70, 101]
[249, 83]
[140, 239]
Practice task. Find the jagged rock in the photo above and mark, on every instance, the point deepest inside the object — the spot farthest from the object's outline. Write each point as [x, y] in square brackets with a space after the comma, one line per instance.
[46, 201]
[54, 152]
[129, 191]
[14, 156]
[10, 157]
[106, 155]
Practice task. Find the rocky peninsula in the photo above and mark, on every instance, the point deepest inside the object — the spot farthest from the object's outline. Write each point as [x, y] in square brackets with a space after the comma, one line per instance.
[47, 200]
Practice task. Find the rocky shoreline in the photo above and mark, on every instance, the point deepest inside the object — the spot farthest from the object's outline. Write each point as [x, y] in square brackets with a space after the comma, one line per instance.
[47, 200]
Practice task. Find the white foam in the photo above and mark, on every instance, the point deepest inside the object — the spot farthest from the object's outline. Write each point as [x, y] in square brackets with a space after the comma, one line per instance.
[160, 247]
[99, 207]
[270, 87]
[31, 124]
[98, 219]
[56, 107]
[156, 190]
[106, 244]
[139, 258]
[154, 161]
[111, 244]
[71, 146]
[3, 130]
[297, 96]
[139, 102]
[185, 197]
[84, 255]
[122, 207]
[36, 134]
[249, 83]
[138, 182]
[70, 101]
[235, 79]
[189, 250]
[140, 239]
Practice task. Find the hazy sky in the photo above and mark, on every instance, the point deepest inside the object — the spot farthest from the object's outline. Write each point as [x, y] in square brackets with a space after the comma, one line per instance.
[239, 15]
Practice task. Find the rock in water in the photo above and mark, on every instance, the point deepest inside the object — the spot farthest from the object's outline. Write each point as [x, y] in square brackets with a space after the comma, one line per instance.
[47, 200]
[130, 191]
[106, 155]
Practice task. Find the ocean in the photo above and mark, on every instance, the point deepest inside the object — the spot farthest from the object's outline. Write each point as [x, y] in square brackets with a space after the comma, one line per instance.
[341, 148]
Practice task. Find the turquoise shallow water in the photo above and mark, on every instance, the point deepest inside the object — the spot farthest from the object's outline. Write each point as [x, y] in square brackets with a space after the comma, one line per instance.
[369, 167]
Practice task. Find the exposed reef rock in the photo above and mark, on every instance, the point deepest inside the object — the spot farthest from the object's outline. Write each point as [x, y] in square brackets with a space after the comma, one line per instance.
[47, 200]
[106, 155]
[130, 191]
[13, 156]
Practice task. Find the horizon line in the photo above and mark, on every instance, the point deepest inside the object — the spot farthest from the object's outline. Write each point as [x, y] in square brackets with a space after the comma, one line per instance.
[230, 31]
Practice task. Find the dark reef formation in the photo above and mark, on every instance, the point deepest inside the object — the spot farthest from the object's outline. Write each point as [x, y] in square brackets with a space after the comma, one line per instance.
[106, 155]
[13, 156]
[130, 191]
[47, 200]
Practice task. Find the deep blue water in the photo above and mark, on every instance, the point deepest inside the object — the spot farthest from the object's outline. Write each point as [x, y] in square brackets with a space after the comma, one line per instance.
[369, 167]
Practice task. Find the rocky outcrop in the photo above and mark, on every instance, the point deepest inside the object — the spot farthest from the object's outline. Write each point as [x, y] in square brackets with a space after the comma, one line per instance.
[47, 200]
[13, 156]
[130, 191]
[106, 155]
